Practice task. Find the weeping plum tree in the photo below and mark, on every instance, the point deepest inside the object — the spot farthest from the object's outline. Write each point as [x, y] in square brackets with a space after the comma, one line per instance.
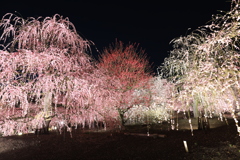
[157, 110]
[205, 67]
[162, 95]
[128, 67]
[47, 75]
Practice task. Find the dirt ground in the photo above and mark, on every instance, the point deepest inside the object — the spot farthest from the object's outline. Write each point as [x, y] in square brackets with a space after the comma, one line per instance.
[132, 144]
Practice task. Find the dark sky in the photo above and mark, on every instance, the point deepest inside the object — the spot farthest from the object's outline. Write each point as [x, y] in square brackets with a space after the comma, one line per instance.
[152, 24]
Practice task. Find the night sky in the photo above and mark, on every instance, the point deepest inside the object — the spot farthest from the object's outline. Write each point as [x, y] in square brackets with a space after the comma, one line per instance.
[152, 24]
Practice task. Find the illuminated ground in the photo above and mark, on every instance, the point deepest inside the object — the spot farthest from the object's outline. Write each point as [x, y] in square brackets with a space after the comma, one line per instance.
[218, 143]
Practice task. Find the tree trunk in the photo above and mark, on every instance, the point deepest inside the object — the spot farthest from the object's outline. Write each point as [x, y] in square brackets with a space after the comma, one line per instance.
[44, 129]
[47, 108]
[195, 109]
[203, 123]
[122, 121]
[47, 104]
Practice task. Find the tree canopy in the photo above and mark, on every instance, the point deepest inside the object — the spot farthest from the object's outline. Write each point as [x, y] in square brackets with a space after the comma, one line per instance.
[129, 66]
[204, 66]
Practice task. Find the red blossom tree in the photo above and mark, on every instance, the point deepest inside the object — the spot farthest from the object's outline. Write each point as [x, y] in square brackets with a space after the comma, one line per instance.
[130, 70]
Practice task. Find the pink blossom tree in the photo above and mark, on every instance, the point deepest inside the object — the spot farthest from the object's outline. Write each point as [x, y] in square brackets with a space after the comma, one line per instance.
[48, 75]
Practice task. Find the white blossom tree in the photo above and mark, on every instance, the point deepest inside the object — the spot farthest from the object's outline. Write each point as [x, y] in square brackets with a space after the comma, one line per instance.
[204, 66]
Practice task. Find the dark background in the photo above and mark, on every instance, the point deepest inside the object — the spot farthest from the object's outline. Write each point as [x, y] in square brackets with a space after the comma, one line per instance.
[152, 24]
